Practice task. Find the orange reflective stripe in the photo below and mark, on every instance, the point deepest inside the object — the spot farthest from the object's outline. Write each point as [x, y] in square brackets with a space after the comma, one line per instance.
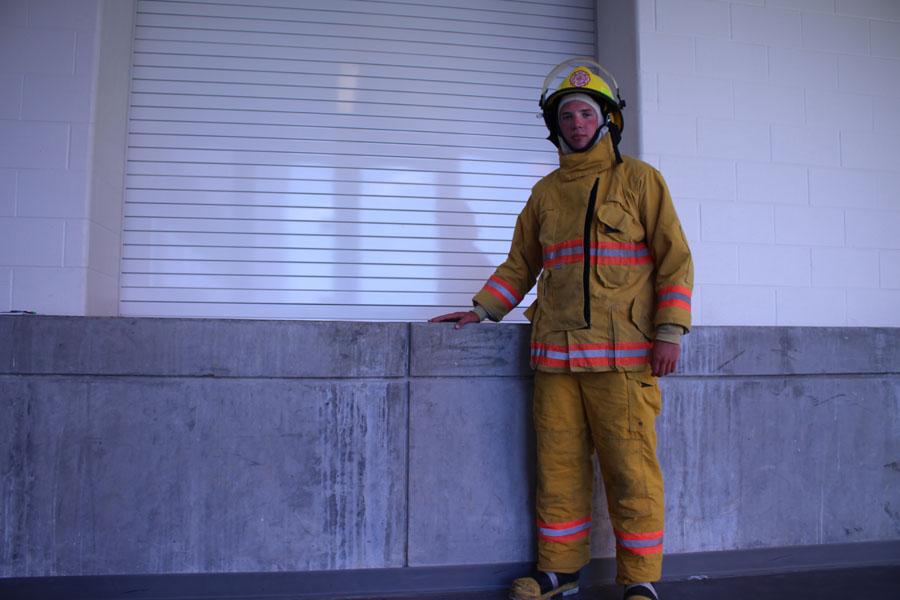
[562, 253]
[564, 532]
[674, 295]
[566, 538]
[565, 525]
[652, 535]
[620, 253]
[503, 291]
[640, 543]
[642, 551]
[586, 355]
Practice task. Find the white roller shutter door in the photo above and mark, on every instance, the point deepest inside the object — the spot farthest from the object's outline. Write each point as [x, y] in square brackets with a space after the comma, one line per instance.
[340, 160]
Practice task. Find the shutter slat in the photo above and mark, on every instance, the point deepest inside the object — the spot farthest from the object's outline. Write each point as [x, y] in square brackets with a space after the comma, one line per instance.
[261, 282]
[443, 231]
[388, 124]
[317, 312]
[173, 143]
[361, 243]
[550, 41]
[401, 17]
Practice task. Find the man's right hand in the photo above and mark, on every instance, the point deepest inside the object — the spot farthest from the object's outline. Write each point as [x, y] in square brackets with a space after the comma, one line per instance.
[460, 318]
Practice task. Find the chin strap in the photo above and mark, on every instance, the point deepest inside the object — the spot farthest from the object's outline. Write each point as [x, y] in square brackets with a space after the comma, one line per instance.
[616, 134]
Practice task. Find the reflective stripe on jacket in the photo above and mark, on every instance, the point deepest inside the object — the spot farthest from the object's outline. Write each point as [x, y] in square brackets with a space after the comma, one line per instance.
[606, 279]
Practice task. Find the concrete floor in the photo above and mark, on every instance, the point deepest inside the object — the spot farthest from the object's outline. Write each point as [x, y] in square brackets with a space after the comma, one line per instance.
[882, 583]
[866, 583]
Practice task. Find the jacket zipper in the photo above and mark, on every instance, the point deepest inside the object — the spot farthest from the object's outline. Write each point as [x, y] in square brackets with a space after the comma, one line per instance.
[586, 278]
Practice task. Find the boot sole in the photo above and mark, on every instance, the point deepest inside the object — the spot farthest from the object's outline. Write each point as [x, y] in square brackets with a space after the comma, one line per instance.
[569, 589]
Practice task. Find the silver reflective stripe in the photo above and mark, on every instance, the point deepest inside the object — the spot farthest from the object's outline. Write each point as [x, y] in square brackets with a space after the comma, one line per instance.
[554, 354]
[607, 352]
[675, 296]
[568, 531]
[503, 292]
[628, 252]
[553, 254]
[641, 543]
[554, 580]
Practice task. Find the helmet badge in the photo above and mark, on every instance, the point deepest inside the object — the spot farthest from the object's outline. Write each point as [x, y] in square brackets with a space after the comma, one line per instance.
[580, 78]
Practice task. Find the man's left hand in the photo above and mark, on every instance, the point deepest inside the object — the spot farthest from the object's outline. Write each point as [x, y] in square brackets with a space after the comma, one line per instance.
[664, 357]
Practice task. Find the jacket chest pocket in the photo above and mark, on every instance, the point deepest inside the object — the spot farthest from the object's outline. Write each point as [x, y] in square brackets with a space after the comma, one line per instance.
[618, 251]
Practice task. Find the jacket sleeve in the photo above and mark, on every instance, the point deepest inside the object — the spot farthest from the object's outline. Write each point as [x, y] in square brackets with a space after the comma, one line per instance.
[516, 276]
[674, 269]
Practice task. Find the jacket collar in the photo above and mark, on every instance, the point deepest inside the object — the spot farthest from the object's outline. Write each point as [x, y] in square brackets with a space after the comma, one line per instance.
[580, 164]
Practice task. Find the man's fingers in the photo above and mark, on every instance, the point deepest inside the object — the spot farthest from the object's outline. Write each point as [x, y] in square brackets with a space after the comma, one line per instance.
[663, 368]
[448, 317]
[460, 318]
[467, 318]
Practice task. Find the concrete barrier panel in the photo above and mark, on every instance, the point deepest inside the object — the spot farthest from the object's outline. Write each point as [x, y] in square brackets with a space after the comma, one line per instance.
[861, 500]
[117, 475]
[752, 463]
[202, 347]
[483, 350]
[748, 463]
[471, 471]
[718, 351]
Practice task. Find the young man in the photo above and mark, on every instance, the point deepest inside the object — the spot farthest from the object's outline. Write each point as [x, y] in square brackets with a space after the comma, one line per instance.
[614, 272]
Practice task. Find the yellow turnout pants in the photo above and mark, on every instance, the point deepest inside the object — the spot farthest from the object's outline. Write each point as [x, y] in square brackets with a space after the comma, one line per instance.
[614, 414]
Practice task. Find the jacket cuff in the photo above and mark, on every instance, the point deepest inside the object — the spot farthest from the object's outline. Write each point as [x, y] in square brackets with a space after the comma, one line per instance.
[498, 297]
[482, 314]
[670, 332]
[673, 306]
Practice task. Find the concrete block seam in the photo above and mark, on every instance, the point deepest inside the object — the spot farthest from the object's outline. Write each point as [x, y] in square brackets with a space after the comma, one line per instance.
[408, 442]
[792, 376]
[179, 376]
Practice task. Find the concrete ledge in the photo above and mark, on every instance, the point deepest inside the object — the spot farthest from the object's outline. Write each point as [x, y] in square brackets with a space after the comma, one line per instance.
[250, 348]
[784, 351]
[502, 350]
[431, 580]
[201, 347]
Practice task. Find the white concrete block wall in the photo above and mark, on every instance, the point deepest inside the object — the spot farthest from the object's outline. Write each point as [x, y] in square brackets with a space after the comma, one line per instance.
[777, 125]
[47, 74]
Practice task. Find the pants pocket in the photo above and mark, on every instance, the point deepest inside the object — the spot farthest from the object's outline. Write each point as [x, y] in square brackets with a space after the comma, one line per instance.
[644, 402]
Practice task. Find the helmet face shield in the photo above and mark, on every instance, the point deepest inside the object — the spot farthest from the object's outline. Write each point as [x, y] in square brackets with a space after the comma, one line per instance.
[580, 75]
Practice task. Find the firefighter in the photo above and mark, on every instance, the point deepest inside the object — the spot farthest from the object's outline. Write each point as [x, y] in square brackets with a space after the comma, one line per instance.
[601, 238]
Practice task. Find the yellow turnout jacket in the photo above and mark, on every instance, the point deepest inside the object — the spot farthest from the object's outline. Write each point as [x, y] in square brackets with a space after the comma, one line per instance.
[612, 259]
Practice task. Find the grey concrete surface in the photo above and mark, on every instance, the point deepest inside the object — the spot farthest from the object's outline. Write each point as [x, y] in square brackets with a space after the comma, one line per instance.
[201, 347]
[471, 471]
[493, 350]
[484, 350]
[193, 446]
[114, 475]
[783, 351]
[753, 463]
